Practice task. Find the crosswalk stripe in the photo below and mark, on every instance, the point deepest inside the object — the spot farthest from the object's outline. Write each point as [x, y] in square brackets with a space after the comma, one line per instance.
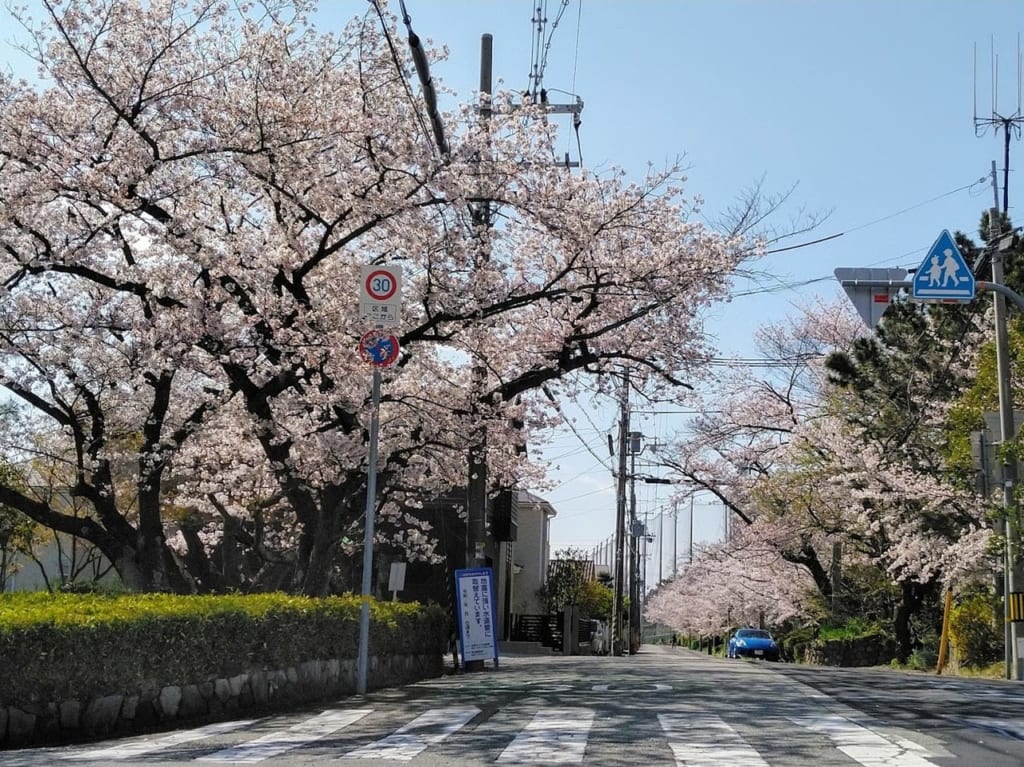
[275, 743]
[864, 746]
[553, 736]
[140, 747]
[706, 740]
[411, 739]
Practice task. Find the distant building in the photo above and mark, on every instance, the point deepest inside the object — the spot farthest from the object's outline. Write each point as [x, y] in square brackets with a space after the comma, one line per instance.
[518, 550]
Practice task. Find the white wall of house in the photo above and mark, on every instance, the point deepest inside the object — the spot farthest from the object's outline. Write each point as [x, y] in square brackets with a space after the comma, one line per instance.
[77, 560]
[531, 553]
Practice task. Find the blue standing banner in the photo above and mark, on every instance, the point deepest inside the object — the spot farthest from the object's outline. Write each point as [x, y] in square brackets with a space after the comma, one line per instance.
[477, 614]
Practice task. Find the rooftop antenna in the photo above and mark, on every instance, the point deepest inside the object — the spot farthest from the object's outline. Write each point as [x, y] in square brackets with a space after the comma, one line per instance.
[1009, 124]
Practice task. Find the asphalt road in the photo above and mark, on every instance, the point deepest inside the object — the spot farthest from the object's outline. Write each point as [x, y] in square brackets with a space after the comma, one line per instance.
[661, 707]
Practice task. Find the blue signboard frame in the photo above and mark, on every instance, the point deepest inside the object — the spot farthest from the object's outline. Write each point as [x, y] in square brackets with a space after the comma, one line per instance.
[477, 614]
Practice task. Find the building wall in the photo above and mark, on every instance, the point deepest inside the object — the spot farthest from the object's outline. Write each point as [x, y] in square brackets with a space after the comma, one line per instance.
[531, 553]
[64, 559]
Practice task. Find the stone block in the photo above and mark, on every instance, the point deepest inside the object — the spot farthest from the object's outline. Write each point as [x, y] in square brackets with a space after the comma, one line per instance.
[48, 724]
[214, 706]
[147, 712]
[277, 682]
[206, 689]
[222, 689]
[3, 723]
[333, 672]
[192, 702]
[129, 707]
[258, 684]
[148, 691]
[70, 715]
[237, 684]
[170, 699]
[348, 671]
[20, 725]
[101, 714]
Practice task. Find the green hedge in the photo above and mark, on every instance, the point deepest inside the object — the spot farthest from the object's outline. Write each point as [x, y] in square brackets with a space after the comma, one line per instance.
[57, 646]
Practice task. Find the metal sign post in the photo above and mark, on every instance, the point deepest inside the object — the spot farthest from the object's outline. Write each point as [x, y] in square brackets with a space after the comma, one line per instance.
[371, 502]
[380, 301]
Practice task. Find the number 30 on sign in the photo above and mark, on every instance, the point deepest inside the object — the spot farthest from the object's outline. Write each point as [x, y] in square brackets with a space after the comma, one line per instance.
[380, 294]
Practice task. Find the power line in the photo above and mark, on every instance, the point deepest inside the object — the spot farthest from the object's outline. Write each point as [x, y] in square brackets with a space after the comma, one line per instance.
[877, 220]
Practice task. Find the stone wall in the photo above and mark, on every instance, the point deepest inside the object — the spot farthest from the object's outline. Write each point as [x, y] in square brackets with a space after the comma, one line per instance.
[199, 701]
[874, 650]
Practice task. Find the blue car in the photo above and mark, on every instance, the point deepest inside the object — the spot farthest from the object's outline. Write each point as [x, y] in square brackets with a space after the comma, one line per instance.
[753, 643]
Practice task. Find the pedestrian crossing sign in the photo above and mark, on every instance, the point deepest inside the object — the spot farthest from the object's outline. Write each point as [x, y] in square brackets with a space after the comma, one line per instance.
[943, 275]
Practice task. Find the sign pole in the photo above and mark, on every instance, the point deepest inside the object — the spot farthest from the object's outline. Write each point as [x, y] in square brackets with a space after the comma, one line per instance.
[371, 502]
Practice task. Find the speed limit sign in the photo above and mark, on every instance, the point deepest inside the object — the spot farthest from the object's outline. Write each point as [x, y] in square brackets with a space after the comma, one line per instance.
[380, 294]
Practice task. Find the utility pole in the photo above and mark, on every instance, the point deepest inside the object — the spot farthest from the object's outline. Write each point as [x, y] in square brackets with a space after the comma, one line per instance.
[675, 535]
[476, 484]
[1011, 576]
[689, 560]
[634, 553]
[620, 517]
[661, 545]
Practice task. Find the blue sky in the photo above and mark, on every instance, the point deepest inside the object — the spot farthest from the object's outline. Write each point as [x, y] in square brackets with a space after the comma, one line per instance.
[866, 105]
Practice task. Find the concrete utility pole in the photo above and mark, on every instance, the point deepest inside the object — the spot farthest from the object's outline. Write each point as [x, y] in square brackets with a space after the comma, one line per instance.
[634, 546]
[620, 517]
[675, 536]
[476, 484]
[661, 545]
[1011, 565]
[689, 559]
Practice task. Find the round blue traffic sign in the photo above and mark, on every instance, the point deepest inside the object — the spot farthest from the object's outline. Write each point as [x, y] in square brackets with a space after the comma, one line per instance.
[379, 349]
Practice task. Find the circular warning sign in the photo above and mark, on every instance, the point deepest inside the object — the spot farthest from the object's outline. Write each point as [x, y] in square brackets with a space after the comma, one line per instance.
[380, 284]
[377, 348]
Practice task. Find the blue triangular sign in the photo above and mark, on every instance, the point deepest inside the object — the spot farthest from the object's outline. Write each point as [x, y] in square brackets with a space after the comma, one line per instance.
[943, 275]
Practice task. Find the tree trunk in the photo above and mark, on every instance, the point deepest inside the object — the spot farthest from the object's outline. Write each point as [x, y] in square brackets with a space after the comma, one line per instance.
[317, 582]
[808, 557]
[912, 596]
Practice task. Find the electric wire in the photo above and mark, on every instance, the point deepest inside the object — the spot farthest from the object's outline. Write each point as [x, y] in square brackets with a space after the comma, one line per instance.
[401, 69]
[877, 220]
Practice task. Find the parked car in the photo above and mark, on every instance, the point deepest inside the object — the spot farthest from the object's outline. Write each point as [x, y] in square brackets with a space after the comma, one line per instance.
[753, 643]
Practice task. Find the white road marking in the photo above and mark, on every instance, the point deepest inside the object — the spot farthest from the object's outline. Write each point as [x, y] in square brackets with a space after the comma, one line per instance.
[408, 741]
[275, 743]
[133, 748]
[553, 736]
[707, 741]
[863, 745]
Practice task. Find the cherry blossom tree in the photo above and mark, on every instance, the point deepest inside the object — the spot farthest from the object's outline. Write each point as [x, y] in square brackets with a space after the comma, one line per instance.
[811, 465]
[187, 201]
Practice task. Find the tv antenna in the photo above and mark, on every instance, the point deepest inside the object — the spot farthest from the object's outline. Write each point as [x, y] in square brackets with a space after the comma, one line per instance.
[1009, 124]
